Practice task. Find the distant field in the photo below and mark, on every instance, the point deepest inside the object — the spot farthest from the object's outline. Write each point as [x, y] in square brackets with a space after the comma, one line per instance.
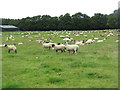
[95, 65]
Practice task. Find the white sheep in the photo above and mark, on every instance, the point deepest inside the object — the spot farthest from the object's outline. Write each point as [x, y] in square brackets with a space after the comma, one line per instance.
[100, 40]
[89, 41]
[96, 38]
[117, 41]
[2, 45]
[80, 43]
[66, 39]
[20, 43]
[73, 48]
[39, 41]
[11, 47]
[48, 45]
[60, 47]
[62, 36]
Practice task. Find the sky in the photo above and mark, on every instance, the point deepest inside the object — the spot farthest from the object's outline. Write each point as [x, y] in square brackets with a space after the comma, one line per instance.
[17, 9]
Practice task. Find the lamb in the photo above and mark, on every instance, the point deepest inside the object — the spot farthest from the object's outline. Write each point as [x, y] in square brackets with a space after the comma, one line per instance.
[11, 47]
[73, 48]
[60, 47]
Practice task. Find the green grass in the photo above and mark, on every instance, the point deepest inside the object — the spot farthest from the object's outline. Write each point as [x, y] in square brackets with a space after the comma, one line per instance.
[95, 65]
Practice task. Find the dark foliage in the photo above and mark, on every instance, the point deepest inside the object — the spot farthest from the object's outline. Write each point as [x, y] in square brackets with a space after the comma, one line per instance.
[77, 21]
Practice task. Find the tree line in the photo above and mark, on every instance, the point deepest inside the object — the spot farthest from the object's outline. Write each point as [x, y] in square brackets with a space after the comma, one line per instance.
[78, 21]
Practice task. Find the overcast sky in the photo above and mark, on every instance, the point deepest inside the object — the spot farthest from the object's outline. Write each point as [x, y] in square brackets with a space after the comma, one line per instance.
[15, 9]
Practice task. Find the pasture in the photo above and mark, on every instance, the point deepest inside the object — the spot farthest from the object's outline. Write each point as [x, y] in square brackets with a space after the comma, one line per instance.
[94, 66]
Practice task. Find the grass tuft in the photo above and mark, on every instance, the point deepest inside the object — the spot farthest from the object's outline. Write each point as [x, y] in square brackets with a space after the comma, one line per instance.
[54, 80]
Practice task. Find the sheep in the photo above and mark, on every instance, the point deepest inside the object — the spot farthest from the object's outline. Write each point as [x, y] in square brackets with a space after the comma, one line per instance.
[39, 41]
[48, 45]
[62, 36]
[20, 43]
[117, 41]
[2, 45]
[89, 41]
[11, 47]
[100, 40]
[80, 43]
[96, 38]
[85, 36]
[73, 48]
[61, 47]
[66, 39]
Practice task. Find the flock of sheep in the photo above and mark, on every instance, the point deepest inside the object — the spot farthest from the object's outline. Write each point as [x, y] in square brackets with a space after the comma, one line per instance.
[62, 47]
[66, 38]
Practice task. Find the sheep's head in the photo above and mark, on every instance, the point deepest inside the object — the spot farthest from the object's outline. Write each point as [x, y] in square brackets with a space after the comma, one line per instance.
[58, 44]
[83, 41]
[5, 45]
[53, 45]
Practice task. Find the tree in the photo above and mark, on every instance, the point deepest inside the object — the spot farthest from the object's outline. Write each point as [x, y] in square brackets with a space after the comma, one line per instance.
[99, 21]
[65, 21]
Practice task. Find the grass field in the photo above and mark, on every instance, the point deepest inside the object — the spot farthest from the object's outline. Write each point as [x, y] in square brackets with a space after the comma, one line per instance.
[95, 65]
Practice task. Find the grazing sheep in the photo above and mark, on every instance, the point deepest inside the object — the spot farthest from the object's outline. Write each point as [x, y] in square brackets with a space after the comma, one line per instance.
[67, 39]
[39, 41]
[60, 47]
[89, 41]
[100, 40]
[2, 45]
[20, 43]
[11, 47]
[96, 38]
[80, 43]
[48, 45]
[73, 48]
[85, 36]
[62, 36]
[117, 41]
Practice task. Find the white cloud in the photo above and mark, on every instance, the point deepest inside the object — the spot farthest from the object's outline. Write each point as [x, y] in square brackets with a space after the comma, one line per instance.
[24, 8]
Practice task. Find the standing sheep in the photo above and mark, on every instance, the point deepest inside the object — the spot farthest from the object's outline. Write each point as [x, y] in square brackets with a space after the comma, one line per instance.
[48, 45]
[60, 47]
[11, 47]
[73, 48]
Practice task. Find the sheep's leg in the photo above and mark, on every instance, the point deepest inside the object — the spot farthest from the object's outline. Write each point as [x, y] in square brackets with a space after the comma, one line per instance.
[49, 48]
[74, 51]
[8, 51]
[15, 51]
[56, 50]
[68, 51]
[61, 51]
[77, 51]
